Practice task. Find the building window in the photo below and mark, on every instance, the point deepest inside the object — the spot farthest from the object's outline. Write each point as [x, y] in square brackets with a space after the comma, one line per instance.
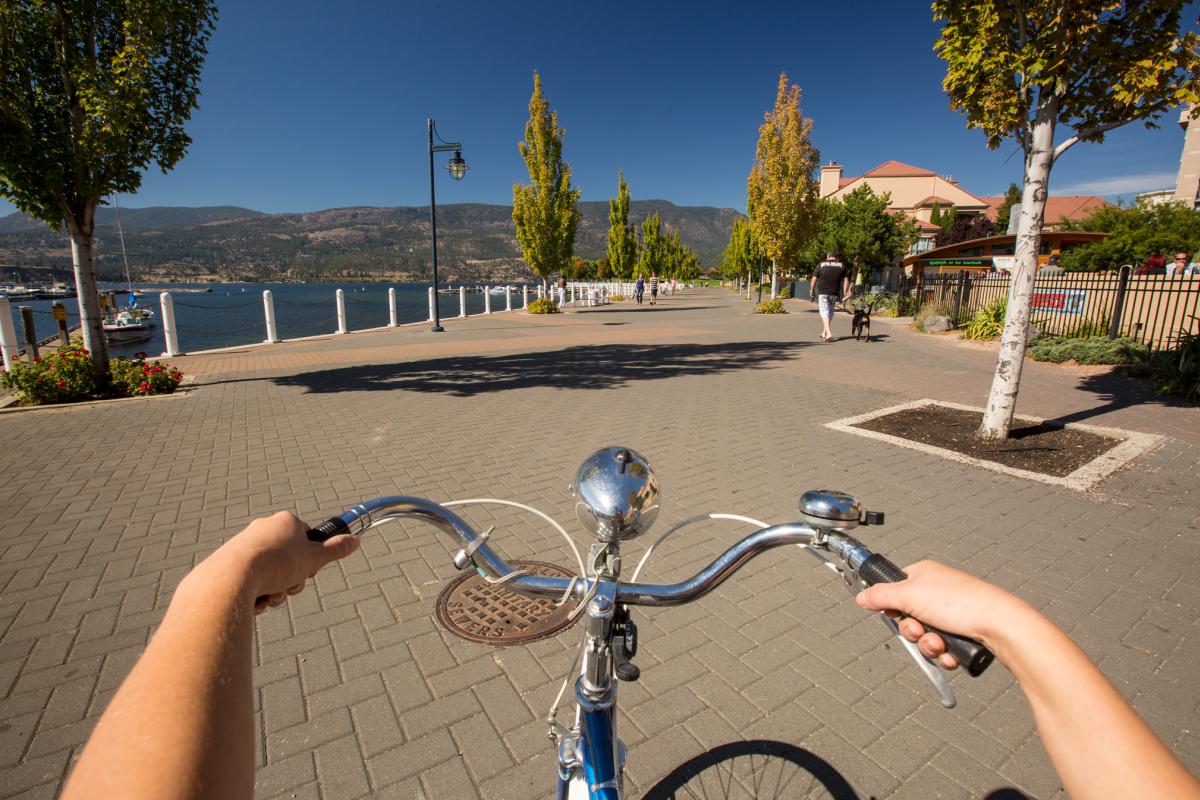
[921, 246]
[1003, 250]
[970, 251]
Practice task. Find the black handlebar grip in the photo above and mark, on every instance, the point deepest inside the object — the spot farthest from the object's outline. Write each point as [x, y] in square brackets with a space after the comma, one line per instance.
[972, 655]
[326, 530]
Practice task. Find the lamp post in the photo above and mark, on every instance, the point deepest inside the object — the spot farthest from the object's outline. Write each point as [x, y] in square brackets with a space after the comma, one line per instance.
[457, 169]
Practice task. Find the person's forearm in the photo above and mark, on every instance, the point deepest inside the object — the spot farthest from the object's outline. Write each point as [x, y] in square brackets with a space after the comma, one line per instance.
[182, 724]
[1082, 719]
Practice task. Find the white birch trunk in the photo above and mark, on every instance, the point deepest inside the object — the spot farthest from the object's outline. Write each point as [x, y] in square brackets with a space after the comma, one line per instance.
[1002, 399]
[774, 281]
[83, 259]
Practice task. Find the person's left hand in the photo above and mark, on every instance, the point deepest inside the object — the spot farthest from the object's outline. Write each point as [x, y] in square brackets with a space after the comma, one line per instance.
[274, 557]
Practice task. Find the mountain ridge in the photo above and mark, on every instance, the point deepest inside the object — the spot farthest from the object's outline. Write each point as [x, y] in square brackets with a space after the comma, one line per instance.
[476, 241]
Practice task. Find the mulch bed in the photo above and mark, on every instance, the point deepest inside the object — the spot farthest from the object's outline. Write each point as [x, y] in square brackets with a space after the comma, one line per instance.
[1047, 449]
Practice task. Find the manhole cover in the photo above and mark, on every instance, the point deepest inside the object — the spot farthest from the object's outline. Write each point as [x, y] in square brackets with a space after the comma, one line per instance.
[474, 609]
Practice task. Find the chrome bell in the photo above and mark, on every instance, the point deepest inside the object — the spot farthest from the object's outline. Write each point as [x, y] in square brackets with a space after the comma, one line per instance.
[827, 509]
[616, 494]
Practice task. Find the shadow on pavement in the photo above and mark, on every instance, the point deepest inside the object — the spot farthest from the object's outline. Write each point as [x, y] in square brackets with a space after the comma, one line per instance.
[645, 308]
[1118, 389]
[760, 768]
[584, 367]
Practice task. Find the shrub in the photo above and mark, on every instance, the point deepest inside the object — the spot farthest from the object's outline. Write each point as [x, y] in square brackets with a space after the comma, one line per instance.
[136, 378]
[543, 305]
[616, 298]
[929, 310]
[770, 307]
[1092, 350]
[786, 292]
[62, 376]
[1088, 328]
[65, 376]
[988, 322]
[897, 306]
[1177, 372]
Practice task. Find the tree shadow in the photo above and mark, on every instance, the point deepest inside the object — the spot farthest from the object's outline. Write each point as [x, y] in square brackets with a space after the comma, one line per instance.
[1117, 389]
[644, 308]
[584, 367]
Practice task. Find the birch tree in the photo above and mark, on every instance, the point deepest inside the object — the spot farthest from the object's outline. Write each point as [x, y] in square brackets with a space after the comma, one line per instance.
[781, 192]
[91, 93]
[1020, 71]
[622, 237]
[546, 212]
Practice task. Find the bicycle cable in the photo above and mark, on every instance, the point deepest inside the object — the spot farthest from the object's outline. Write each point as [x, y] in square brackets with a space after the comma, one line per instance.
[689, 521]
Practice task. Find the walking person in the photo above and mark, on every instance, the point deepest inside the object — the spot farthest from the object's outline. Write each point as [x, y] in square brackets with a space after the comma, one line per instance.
[653, 288]
[829, 284]
[639, 288]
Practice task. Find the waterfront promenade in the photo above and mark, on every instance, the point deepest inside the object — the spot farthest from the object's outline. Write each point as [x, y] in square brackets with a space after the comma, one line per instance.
[360, 692]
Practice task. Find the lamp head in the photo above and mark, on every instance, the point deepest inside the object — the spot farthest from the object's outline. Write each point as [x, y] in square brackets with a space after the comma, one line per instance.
[457, 167]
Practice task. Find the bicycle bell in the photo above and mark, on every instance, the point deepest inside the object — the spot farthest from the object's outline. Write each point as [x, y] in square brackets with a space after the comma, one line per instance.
[827, 509]
[616, 494]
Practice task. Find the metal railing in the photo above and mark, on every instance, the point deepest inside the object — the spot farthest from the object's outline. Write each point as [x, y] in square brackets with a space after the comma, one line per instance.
[1152, 309]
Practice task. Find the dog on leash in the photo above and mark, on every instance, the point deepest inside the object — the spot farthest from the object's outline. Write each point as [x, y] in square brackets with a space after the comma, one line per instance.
[861, 324]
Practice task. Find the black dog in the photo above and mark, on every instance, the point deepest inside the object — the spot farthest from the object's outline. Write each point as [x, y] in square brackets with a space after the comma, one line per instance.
[861, 325]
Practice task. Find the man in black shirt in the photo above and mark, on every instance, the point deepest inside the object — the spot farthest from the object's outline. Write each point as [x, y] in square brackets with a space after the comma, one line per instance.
[829, 285]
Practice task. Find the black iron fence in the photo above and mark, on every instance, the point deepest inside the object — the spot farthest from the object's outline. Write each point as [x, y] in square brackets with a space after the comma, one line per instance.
[1153, 309]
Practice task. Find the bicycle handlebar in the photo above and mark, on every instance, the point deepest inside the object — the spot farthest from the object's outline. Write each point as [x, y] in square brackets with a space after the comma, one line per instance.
[871, 567]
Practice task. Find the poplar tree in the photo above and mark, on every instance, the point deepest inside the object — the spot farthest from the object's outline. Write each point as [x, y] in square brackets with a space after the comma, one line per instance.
[742, 254]
[546, 211]
[1019, 71]
[91, 93]
[653, 249]
[622, 237]
[782, 187]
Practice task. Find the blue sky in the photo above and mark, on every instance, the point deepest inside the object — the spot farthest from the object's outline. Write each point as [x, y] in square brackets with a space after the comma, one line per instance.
[309, 105]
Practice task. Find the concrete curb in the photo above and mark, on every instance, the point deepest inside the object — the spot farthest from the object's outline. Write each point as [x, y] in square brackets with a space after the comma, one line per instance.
[1132, 446]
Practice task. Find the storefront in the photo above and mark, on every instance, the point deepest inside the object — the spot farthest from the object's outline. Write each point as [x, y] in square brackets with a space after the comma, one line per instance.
[992, 254]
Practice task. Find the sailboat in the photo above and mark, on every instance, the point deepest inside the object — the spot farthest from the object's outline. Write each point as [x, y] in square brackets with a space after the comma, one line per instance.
[131, 324]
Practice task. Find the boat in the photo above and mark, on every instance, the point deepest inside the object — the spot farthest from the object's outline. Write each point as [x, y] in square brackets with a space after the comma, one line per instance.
[130, 325]
[498, 289]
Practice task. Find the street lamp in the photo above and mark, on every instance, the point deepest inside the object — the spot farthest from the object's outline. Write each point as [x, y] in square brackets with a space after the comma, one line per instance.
[457, 168]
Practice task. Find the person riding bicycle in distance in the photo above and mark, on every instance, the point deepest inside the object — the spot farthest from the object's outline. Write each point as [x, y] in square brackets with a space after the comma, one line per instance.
[829, 285]
[181, 725]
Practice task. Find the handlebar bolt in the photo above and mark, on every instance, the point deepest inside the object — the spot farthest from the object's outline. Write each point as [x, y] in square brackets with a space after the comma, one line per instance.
[462, 560]
[872, 518]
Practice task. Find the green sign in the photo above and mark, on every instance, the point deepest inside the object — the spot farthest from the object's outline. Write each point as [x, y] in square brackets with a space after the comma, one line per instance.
[957, 262]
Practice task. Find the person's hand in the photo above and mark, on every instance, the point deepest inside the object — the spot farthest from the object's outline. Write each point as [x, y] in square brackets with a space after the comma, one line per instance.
[274, 557]
[944, 598]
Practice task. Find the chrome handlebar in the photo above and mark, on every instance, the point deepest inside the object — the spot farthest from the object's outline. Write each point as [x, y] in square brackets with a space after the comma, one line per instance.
[371, 513]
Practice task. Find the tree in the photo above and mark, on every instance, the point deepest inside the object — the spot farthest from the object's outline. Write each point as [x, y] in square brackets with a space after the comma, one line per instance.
[91, 93]
[653, 249]
[1011, 198]
[863, 232]
[742, 254]
[546, 212]
[781, 192]
[1019, 70]
[622, 237]
[1135, 233]
[964, 229]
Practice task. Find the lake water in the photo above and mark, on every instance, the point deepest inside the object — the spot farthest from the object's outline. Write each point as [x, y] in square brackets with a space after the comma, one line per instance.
[232, 314]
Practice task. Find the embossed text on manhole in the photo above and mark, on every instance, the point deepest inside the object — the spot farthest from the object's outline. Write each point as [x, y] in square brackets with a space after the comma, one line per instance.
[476, 610]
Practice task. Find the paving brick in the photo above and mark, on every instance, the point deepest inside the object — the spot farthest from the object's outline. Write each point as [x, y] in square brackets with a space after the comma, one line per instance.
[439, 713]
[482, 747]
[283, 704]
[411, 758]
[340, 769]
[283, 774]
[308, 735]
[345, 695]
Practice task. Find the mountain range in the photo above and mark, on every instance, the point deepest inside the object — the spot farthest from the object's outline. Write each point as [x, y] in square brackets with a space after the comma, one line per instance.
[476, 242]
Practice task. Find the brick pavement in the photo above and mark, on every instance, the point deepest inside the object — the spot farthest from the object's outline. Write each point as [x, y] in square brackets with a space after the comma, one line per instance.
[359, 692]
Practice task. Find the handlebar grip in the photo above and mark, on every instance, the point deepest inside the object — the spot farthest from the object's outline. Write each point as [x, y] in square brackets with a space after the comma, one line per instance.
[328, 529]
[323, 532]
[972, 655]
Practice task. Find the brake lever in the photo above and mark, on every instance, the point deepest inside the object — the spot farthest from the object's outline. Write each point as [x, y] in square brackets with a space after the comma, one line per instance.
[929, 667]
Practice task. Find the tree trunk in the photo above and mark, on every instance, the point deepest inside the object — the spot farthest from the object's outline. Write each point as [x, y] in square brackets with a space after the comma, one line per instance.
[774, 281]
[83, 257]
[1002, 400]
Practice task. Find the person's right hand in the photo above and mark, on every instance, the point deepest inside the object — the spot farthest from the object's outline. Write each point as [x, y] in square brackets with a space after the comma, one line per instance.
[944, 598]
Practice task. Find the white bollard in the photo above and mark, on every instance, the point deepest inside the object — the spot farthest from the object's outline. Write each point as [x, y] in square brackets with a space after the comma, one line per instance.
[432, 300]
[572, 294]
[525, 296]
[487, 299]
[341, 311]
[462, 301]
[168, 316]
[391, 308]
[269, 313]
[8, 334]
[508, 298]
[747, 285]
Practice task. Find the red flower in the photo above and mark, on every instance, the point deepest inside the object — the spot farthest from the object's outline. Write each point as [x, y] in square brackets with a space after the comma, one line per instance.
[143, 387]
[61, 384]
[155, 370]
[37, 359]
[83, 350]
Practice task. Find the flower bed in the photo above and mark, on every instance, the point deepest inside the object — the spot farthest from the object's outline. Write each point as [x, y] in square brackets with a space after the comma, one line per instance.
[66, 376]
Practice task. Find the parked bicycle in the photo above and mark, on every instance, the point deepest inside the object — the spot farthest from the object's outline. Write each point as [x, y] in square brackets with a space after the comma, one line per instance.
[617, 499]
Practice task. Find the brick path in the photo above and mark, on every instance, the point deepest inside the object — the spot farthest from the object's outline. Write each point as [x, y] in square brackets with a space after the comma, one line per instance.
[360, 693]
